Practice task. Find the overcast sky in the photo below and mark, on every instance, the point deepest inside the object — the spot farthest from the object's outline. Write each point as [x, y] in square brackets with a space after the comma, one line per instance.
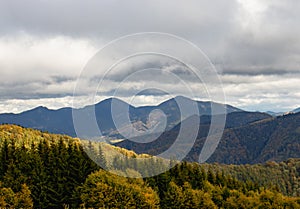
[45, 45]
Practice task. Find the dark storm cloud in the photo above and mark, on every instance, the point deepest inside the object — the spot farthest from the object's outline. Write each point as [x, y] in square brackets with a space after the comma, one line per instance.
[218, 30]
[30, 96]
[114, 18]
[57, 79]
[268, 42]
[153, 91]
[154, 67]
[129, 92]
[36, 88]
[258, 70]
[44, 45]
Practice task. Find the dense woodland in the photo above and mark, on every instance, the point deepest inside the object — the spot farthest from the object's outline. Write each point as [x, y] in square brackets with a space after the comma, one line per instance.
[248, 138]
[42, 170]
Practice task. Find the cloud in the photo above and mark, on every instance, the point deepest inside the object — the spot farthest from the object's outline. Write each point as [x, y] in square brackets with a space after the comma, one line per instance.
[32, 66]
[266, 40]
[111, 19]
[255, 45]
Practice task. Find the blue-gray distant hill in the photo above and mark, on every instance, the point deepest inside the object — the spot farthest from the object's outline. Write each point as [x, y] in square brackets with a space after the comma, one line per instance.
[296, 110]
[60, 121]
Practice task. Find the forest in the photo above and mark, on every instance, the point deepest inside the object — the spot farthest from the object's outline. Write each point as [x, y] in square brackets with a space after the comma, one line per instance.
[43, 170]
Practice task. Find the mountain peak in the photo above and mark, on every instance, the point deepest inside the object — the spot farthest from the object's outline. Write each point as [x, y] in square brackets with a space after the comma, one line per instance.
[39, 109]
[110, 100]
[180, 97]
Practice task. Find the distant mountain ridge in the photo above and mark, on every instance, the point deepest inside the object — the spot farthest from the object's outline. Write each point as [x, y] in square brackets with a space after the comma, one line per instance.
[61, 122]
[283, 113]
[296, 110]
[275, 113]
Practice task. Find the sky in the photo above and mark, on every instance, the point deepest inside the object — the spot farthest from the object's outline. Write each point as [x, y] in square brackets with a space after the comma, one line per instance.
[45, 47]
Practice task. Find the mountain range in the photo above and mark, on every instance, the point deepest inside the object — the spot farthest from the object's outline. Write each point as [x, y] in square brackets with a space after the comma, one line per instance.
[283, 113]
[61, 122]
[248, 137]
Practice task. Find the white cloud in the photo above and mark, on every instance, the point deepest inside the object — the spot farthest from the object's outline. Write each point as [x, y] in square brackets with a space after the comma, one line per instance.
[44, 45]
[35, 57]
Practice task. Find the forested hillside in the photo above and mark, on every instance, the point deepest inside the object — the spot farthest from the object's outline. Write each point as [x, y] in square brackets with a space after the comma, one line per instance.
[248, 138]
[42, 170]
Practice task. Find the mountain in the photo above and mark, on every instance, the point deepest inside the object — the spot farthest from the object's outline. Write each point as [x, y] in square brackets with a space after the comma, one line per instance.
[275, 113]
[41, 118]
[60, 121]
[296, 110]
[38, 170]
[247, 139]
[275, 139]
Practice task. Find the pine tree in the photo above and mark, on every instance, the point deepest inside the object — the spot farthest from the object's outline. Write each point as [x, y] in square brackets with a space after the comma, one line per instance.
[4, 158]
[101, 161]
[22, 199]
[173, 197]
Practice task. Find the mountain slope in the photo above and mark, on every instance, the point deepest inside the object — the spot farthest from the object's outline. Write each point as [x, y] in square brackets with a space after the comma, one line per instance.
[57, 173]
[60, 121]
[41, 118]
[276, 139]
[249, 141]
[296, 110]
